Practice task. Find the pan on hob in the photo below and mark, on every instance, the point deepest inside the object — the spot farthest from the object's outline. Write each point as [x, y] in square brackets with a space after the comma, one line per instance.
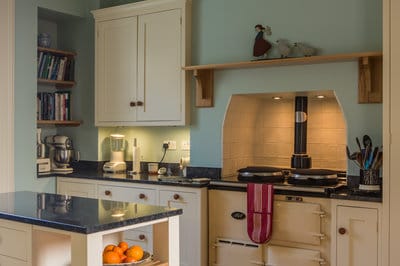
[261, 174]
[313, 177]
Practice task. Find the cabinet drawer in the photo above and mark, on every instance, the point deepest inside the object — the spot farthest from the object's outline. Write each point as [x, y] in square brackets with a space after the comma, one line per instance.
[141, 238]
[139, 195]
[76, 189]
[283, 256]
[15, 240]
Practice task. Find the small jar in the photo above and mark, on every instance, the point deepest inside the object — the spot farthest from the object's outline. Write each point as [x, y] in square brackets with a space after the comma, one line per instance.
[369, 180]
[44, 40]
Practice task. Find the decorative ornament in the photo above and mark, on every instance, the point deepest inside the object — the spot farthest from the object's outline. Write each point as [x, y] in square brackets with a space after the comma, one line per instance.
[261, 45]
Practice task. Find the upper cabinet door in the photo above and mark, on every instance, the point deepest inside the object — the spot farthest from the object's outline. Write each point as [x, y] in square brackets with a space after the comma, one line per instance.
[159, 67]
[140, 51]
[116, 70]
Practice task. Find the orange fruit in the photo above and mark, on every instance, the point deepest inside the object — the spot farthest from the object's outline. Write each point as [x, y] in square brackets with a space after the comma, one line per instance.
[123, 245]
[135, 252]
[111, 257]
[129, 259]
[122, 257]
[118, 250]
[108, 248]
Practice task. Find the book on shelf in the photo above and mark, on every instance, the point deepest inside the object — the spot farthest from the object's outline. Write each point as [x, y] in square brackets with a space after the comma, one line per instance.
[53, 106]
[55, 67]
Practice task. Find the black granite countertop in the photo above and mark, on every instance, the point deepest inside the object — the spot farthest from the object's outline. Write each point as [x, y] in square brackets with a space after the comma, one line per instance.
[76, 214]
[143, 178]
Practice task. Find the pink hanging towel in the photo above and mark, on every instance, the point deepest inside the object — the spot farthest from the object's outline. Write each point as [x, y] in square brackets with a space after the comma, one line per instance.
[260, 199]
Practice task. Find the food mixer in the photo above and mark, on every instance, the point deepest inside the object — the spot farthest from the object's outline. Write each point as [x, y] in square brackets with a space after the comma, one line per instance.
[61, 153]
[117, 162]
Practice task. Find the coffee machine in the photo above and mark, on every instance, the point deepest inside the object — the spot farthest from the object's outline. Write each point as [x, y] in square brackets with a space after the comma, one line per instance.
[61, 153]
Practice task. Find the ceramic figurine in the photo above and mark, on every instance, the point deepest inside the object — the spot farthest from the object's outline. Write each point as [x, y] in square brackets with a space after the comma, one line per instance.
[284, 48]
[261, 46]
[305, 49]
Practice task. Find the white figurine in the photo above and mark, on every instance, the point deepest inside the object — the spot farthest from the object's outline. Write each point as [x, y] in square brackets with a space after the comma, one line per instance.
[284, 48]
[305, 49]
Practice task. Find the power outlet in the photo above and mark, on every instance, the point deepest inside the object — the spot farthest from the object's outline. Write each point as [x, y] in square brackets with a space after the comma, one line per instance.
[185, 145]
[171, 144]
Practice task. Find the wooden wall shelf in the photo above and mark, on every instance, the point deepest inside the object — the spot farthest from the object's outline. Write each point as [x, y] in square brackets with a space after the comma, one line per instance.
[65, 123]
[370, 73]
[56, 51]
[57, 83]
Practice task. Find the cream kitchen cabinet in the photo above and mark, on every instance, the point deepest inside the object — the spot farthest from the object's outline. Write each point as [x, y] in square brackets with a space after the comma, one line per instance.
[300, 231]
[15, 242]
[139, 52]
[193, 201]
[191, 230]
[142, 236]
[357, 234]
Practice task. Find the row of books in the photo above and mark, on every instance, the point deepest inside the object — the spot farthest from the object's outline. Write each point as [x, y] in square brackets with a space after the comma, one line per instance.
[54, 105]
[55, 67]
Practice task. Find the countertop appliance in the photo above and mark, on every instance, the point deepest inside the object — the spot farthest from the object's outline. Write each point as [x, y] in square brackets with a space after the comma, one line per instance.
[61, 153]
[117, 147]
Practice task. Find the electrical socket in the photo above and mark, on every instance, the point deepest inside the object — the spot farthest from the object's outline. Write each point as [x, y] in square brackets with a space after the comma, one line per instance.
[171, 144]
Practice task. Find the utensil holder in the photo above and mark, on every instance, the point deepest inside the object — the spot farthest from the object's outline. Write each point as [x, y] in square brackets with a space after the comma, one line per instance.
[369, 180]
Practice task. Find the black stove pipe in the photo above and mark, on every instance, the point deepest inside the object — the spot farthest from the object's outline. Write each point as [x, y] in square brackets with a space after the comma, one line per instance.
[300, 159]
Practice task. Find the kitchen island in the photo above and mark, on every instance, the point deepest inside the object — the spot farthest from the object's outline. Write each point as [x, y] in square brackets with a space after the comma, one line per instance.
[49, 229]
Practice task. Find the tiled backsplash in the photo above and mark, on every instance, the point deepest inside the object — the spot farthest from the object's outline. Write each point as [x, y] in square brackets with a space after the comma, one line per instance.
[259, 130]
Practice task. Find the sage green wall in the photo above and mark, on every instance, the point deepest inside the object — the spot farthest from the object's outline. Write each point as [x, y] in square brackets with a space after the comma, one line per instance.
[26, 23]
[223, 31]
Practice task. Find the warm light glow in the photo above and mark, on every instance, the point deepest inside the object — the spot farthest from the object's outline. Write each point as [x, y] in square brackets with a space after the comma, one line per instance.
[320, 96]
[117, 136]
[277, 97]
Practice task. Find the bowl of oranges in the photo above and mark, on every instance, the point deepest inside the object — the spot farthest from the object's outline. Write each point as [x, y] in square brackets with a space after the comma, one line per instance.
[122, 254]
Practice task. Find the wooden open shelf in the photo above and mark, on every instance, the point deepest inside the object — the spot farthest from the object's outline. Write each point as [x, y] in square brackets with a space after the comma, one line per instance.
[56, 51]
[370, 73]
[57, 83]
[65, 123]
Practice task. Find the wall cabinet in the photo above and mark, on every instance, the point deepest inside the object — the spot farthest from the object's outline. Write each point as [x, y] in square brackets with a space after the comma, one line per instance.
[193, 201]
[140, 50]
[357, 234]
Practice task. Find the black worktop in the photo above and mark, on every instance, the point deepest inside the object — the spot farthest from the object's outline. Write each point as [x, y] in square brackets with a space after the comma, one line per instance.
[90, 170]
[76, 214]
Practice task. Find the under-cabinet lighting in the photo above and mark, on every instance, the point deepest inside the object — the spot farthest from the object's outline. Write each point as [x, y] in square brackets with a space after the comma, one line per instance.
[320, 96]
[277, 97]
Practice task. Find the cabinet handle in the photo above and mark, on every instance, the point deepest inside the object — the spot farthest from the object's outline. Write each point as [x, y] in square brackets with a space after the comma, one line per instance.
[342, 230]
[142, 237]
[132, 104]
[139, 103]
[142, 196]
[107, 192]
[176, 196]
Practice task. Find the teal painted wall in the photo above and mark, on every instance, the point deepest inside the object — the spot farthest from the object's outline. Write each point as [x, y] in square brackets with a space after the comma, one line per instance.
[26, 26]
[223, 31]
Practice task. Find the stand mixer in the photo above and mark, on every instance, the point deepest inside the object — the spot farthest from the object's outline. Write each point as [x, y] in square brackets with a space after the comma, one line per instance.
[116, 163]
[61, 153]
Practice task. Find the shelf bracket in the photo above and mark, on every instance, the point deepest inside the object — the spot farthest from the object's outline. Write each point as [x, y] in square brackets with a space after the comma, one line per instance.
[370, 79]
[204, 87]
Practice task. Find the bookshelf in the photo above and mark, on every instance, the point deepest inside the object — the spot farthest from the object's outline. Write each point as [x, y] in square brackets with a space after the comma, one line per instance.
[55, 68]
